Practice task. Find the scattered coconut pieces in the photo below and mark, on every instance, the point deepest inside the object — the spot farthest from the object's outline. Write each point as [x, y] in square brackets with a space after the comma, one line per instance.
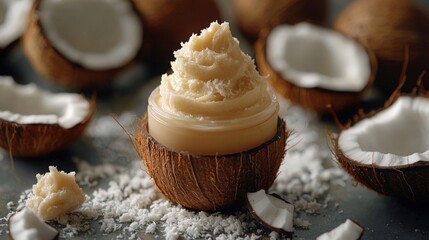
[271, 211]
[26, 225]
[349, 230]
[55, 194]
[13, 17]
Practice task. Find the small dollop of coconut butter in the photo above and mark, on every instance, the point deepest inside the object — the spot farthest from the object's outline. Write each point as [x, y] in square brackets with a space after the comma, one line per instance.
[213, 78]
[56, 193]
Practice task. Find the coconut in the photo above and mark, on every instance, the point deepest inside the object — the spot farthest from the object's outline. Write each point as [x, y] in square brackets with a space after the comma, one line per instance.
[82, 43]
[388, 150]
[315, 66]
[271, 211]
[210, 182]
[349, 230]
[25, 224]
[35, 122]
[387, 27]
[13, 17]
[252, 15]
[168, 23]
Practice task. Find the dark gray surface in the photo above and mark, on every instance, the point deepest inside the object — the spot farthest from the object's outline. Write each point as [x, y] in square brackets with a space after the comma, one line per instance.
[383, 217]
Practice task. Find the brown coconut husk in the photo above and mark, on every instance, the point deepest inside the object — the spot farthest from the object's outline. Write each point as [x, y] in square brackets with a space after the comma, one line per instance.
[252, 16]
[210, 183]
[53, 65]
[317, 99]
[408, 182]
[33, 140]
[387, 27]
[170, 22]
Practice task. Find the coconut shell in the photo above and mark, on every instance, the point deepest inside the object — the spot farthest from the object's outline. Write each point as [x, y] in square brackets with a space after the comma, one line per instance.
[170, 22]
[53, 65]
[210, 183]
[33, 140]
[316, 99]
[387, 27]
[408, 182]
[252, 16]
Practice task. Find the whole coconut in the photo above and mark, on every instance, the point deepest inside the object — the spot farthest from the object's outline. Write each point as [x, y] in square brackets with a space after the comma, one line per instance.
[253, 15]
[387, 28]
[170, 22]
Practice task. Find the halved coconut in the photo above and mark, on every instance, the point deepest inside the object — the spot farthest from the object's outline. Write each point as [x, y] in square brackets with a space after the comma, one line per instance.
[25, 224]
[314, 66]
[251, 20]
[386, 28]
[349, 230]
[35, 122]
[389, 151]
[82, 43]
[170, 22]
[13, 17]
[271, 211]
[210, 182]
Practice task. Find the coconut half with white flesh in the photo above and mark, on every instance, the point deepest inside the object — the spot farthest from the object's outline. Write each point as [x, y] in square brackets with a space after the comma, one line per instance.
[271, 211]
[35, 122]
[25, 224]
[349, 230]
[315, 66]
[13, 18]
[389, 151]
[82, 43]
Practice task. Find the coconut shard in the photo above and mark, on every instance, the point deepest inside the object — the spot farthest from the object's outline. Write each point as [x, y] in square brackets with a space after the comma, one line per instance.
[212, 132]
[82, 43]
[387, 27]
[34, 122]
[314, 66]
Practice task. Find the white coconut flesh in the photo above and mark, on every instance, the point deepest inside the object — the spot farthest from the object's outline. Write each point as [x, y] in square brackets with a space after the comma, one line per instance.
[396, 136]
[348, 230]
[25, 224]
[314, 57]
[13, 17]
[27, 104]
[273, 211]
[96, 34]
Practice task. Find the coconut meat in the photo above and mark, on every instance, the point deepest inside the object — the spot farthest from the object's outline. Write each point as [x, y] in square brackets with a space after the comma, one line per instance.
[13, 17]
[348, 230]
[28, 104]
[96, 34]
[274, 212]
[313, 57]
[396, 136]
[25, 224]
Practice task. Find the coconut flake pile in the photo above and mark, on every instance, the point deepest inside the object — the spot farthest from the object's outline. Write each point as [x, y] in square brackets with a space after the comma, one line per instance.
[122, 200]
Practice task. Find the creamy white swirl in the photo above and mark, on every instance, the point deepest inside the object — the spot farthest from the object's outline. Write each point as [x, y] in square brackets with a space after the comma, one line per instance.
[212, 78]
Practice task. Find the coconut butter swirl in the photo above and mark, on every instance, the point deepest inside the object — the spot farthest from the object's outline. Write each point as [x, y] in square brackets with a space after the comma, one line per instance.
[212, 78]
